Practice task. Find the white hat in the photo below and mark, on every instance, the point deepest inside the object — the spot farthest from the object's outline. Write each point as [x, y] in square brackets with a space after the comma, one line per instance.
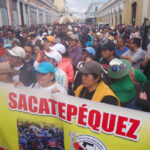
[59, 48]
[38, 38]
[17, 51]
[55, 55]
[69, 28]
[44, 34]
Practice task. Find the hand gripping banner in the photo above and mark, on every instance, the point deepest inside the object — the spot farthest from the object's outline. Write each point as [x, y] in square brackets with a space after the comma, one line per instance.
[35, 119]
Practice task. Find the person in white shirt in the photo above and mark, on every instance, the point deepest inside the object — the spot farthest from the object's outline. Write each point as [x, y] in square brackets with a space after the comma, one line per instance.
[45, 75]
[17, 58]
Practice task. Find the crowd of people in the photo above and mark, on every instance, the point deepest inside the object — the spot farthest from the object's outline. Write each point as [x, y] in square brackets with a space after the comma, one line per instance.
[101, 64]
[40, 137]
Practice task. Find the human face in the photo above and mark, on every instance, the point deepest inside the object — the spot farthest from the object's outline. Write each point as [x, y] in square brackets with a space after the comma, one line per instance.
[28, 51]
[10, 35]
[29, 39]
[46, 45]
[44, 80]
[24, 35]
[36, 50]
[71, 42]
[132, 45]
[5, 77]
[119, 43]
[14, 35]
[95, 43]
[88, 80]
[84, 54]
[52, 61]
[13, 60]
[106, 54]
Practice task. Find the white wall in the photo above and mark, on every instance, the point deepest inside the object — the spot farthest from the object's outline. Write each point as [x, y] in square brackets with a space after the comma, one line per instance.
[145, 9]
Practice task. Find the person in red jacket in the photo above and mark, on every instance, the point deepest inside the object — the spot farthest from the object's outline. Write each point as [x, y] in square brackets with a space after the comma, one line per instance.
[2, 52]
[65, 64]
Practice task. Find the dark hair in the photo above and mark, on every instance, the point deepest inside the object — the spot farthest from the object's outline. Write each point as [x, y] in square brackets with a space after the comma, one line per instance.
[95, 76]
[29, 45]
[9, 31]
[126, 36]
[137, 41]
[109, 46]
[89, 56]
[113, 33]
[66, 54]
[38, 45]
[16, 42]
[121, 39]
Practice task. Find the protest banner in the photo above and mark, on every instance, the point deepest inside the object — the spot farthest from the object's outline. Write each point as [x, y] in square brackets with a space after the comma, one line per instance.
[36, 119]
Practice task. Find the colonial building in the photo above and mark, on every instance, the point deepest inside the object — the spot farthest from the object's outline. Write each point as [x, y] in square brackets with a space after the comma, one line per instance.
[91, 12]
[116, 12]
[62, 7]
[135, 11]
[27, 12]
[112, 12]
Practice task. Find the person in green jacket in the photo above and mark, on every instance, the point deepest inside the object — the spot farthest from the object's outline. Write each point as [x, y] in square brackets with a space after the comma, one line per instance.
[125, 81]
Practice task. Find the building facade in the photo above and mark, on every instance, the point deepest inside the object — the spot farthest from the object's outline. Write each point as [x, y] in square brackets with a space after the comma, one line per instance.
[127, 12]
[112, 12]
[27, 12]
[91, 12]
[135, 11]
[62, 7]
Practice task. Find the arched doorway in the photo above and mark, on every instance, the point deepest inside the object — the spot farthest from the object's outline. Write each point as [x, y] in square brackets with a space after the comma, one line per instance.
[134, 6]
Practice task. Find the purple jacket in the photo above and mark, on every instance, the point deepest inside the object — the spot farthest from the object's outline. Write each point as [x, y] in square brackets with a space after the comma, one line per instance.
[75, 55]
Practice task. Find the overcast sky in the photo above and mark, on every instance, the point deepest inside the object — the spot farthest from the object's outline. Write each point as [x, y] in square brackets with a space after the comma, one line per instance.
[80, 5]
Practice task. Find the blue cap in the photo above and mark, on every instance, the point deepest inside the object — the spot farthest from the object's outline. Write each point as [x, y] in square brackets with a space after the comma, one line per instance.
[90, 50]
[1, 40]
[45, 67]
[7, 45]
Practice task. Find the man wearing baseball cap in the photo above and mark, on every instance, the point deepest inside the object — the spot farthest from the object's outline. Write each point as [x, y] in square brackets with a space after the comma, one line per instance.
[16, 58]
[49, 42]
[88, 50]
